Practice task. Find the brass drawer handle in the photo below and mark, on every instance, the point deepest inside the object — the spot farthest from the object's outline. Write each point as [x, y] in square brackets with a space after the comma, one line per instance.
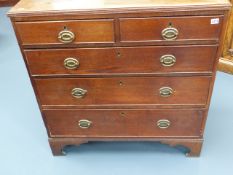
[84, 124]
[163, 124]
[66, 36]
[79, 93]
[71, 63]
[168, 60]
[166, 91]
[170, 33]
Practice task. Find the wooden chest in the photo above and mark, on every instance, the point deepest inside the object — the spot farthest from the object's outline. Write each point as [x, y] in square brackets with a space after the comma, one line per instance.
[114, 70]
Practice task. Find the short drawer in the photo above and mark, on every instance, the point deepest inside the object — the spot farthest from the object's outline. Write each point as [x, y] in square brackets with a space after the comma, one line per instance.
[66, 32]
[123, 91]
[170, 28]
[129, 60]
[124, 123]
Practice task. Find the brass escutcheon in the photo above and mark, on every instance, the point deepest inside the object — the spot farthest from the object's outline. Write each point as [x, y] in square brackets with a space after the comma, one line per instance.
[122, 114]
[118, 54]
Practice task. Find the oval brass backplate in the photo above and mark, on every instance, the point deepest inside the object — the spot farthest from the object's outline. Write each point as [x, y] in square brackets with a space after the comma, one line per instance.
[166, 91]
[170, 33]
[168, 60]
[66, 36]
[79, 92]
[84, 124]
[118, 54]
[71, 63]
[163, 123]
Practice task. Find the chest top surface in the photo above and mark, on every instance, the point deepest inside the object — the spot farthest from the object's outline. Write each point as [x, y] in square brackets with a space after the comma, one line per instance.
[35, 6]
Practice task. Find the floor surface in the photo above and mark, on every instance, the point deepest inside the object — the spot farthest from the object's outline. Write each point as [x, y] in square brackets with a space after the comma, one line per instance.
[24, 149]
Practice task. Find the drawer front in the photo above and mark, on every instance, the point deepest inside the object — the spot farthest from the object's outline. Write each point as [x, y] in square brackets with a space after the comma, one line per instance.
[171, 28]
[132, 60]
[66, 32]
[107, 123]
[123, 91]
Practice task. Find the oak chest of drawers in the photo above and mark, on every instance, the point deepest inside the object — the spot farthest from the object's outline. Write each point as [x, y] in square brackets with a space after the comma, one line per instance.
[122, 70]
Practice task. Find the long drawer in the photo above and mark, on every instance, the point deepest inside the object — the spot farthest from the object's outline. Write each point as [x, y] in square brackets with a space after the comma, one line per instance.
[128, 60]
[170, 28]
[66, 32]
[123, 123]
[123, 91]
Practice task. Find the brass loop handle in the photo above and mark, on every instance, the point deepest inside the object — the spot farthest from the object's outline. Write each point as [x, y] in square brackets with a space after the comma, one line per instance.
[71, 63]
[166, 91]
[170, 33]
[163, 124]
[66, 36]
[79, 93]
[84, 124]
[168, 60]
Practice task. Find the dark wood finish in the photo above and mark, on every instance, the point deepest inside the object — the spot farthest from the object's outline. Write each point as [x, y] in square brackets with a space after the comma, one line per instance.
[124, 123]
[8, 2]
[86, 31]
[123, 91]
[120, 60]
[194, 145]
[102, 31]
[149, 29]
[193, 81]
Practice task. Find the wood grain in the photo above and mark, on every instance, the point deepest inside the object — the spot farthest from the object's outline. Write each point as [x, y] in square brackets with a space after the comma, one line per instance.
[121, 60]
[86, 31]
[149, 29]
[124, 123]
[123, 91]
[31, 6]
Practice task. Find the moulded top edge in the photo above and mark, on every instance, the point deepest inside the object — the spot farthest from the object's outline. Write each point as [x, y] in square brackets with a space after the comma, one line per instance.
[54, 6]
